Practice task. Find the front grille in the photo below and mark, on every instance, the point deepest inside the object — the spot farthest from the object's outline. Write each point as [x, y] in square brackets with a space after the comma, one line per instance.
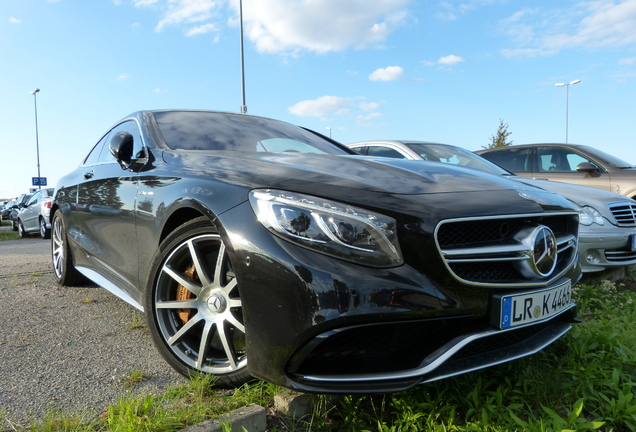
[488, 251]
[624, 213]
[620, 256]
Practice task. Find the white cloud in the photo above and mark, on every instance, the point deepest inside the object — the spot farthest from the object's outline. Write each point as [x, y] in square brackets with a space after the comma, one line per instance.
[370, 106]
[585, 25]
[450, 60]
[123, 77]
[390, 73]
[14, 20]
[452, 10]
[202, 29]
[627, 61]
[321, 25]
[283, 26]
[322, 106]
[446, 61]
[181, 12]
[144, 3]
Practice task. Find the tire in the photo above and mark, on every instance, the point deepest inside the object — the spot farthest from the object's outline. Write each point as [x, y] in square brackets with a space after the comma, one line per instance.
[193, 306]
[14, 224]
[45, 232]
[62, 259]
[21, 230]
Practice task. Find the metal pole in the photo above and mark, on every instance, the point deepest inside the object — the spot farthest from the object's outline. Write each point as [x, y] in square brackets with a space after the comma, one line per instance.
[37, 141]
[567, 104]
[243, 106]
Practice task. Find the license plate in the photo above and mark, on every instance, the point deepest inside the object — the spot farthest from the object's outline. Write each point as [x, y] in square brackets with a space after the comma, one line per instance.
[632, 241]
[526, 308]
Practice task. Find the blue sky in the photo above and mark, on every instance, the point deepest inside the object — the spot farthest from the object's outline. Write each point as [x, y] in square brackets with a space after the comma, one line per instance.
[445, 71]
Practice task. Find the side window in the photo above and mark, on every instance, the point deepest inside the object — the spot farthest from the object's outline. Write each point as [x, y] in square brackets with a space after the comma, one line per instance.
[93, 156]
[558, 159]
[516, 160]
[385, 152]
[362, 150]
[34, 198]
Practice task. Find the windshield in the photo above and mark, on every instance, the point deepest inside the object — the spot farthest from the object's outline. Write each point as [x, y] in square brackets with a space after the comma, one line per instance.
[611, 160]
[455, 156]
[205, 130]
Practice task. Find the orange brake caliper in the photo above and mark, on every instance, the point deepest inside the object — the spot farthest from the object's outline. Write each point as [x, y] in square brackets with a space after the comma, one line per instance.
[185, 294]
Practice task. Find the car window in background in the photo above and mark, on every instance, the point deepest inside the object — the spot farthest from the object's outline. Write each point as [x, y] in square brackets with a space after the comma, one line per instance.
[34, 198]
[559, 159]
[518, 160]
[607, 158]
[197, 130]
[385, 152]
[455, 156]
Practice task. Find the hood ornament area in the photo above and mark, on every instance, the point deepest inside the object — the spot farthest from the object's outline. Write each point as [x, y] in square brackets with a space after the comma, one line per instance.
[542, 244]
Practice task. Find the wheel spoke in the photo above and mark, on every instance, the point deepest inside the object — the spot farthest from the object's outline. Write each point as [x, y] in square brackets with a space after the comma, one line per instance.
[188, 283]
[184, 330]
[232, 320]
[219, 269]
[230, 286]
[205, 342]
[178, 304]
[227, 346]
[201, 271]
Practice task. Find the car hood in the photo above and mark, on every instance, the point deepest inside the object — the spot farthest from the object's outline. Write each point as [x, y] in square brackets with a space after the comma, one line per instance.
[581, 195]
[395, 185]
[289, 170]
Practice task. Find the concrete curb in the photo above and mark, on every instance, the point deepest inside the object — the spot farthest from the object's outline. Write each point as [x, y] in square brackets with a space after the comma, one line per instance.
[251, 418]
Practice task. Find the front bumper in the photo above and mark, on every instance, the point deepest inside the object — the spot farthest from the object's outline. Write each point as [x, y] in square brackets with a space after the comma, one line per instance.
[608, 247]
[319, 324]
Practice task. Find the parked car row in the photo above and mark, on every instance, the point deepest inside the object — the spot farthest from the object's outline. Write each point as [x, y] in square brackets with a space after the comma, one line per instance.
[30, 213]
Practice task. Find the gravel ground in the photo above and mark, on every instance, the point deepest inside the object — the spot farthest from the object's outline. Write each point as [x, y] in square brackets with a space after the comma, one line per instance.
[66, 348]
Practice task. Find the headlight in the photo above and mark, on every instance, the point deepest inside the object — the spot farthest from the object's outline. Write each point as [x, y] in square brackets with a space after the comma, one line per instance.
[589, 215]
[329, 227]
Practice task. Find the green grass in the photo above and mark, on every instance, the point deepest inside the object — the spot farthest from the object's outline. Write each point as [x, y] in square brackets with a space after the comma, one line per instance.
[585, 381]
[8, 234]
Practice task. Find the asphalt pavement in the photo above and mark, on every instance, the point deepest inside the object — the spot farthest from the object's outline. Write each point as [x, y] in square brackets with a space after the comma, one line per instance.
[64, 348]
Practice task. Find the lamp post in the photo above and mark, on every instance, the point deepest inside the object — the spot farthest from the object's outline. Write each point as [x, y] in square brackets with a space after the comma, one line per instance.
[567, 98]
[243, 106]
[37, 143]
[329, 129]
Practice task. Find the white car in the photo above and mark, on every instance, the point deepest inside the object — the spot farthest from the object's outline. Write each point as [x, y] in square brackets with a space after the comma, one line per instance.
[607, 231]
[34, 216]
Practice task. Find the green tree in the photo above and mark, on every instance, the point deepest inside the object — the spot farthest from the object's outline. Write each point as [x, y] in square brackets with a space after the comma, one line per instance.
[500, 139]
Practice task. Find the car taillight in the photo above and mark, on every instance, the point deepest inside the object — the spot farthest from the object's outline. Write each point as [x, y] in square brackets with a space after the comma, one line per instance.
[47, 204]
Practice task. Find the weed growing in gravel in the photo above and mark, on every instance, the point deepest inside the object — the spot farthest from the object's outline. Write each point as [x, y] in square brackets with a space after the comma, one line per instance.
[138, 322]
[134, 377]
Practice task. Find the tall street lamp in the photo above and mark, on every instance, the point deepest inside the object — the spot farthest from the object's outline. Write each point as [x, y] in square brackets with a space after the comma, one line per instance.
[37, 143]
[243, 106]
[567, 98]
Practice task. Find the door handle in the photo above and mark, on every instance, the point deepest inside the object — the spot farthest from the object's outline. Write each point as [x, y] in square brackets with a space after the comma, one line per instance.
[89, 174]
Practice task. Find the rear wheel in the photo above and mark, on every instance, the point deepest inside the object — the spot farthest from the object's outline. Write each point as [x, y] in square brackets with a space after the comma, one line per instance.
[21, 230]
[44, 231]
[193, 305]
[63, 268]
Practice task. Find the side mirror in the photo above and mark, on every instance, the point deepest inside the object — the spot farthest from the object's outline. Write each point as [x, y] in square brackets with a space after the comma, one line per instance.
[588, 168]
[121, 147]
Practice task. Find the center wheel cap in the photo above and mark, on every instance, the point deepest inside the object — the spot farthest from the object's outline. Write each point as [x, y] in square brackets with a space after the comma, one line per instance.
[217, 303]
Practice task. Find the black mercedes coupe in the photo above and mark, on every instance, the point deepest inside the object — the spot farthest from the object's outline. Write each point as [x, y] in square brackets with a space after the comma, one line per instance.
[259, 248]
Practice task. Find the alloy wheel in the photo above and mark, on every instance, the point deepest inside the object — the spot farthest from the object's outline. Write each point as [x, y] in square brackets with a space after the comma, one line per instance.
[197, 307]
